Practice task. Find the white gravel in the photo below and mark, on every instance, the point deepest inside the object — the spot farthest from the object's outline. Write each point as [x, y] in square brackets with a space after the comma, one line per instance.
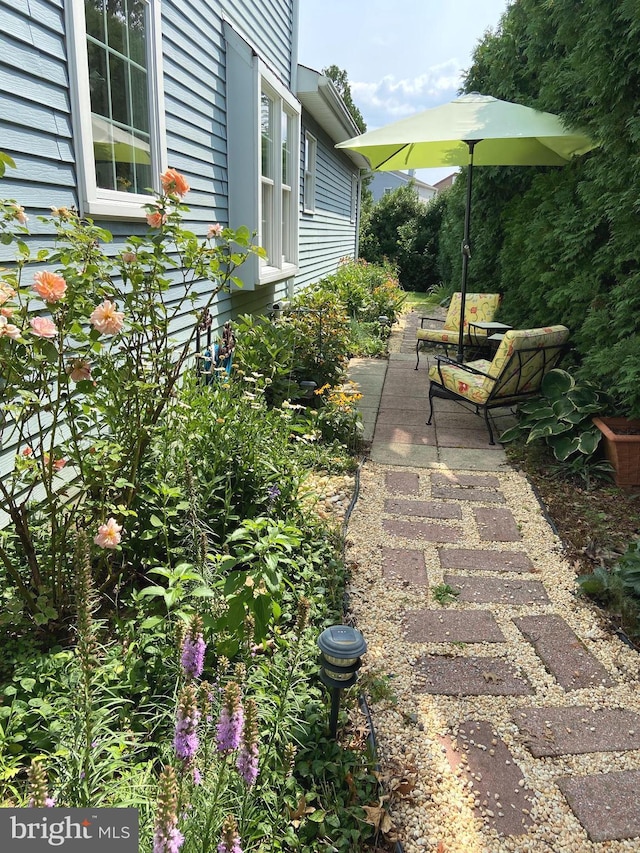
[438, 815]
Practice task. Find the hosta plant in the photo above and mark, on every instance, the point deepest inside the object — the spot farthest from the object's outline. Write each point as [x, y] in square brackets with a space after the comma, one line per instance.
[562, 418]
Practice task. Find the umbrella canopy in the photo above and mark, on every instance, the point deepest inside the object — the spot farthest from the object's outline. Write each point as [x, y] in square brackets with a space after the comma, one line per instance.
[111, 142]
[473, 130]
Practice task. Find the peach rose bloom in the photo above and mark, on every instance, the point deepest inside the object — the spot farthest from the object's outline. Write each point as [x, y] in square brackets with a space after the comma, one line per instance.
[108, 534]
[8, 329]
[43, 327]
[156, 220]
[173, 182]
[129, 257]
[6, 292]
[49, 285]
[27, 452]
[59, 464]
[79, 369]
[20, 214]
[214, 230]
[106, 319]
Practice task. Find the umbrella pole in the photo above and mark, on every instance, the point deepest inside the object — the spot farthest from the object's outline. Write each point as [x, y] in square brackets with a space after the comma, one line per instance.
[466, 249]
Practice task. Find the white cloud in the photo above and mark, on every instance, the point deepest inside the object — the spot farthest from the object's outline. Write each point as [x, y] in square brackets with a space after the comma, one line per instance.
[390, 99]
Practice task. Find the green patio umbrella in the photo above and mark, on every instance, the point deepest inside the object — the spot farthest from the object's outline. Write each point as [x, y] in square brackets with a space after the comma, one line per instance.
[473, 130]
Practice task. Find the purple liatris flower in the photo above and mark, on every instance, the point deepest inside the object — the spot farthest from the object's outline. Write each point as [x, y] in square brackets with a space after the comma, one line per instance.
[247, 761]
[193, 649]
[230, 842]
[273, 493]
[231, 720]
[185, 741]
[167, 838]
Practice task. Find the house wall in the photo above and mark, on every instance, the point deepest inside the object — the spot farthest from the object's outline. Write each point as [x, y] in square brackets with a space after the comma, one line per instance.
[327, 235]
[381, 181]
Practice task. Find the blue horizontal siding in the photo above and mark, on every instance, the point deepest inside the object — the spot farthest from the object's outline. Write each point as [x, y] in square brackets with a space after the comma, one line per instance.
[268, 24]
[327, 235]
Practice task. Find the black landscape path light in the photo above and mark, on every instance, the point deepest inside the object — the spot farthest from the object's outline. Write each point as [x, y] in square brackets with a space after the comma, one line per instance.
[341, 648]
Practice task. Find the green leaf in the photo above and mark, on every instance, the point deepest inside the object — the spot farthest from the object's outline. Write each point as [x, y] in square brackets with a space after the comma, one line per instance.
[589, 441]
[556, 383]
[156, 522]
[564, 446]
[317, 816]
[546, 428]
[510, 434]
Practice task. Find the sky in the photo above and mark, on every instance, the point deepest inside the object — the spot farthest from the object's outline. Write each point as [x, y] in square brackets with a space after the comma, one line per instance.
[401, 56]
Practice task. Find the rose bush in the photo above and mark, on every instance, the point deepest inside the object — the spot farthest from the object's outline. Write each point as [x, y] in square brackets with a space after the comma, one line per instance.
[88, 364]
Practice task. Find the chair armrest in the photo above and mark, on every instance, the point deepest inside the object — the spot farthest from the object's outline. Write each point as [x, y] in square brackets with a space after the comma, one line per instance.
[461, 366]
[433, 319]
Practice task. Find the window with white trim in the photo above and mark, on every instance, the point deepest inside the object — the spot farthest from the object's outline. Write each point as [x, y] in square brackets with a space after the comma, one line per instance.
[263, 161]
[310, 151]
[117, 109]
[279, 141]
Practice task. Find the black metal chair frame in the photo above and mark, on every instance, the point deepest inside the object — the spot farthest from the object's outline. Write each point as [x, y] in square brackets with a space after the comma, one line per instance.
[549, 357]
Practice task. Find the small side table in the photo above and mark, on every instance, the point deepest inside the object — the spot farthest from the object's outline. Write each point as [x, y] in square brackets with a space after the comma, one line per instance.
[495, 333]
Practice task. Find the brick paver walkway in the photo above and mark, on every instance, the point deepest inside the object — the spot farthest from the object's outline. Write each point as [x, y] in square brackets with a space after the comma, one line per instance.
[566, 705]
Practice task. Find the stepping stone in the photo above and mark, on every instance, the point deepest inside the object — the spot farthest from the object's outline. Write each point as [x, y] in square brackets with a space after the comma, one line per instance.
[405, 565]
[606, 804]
[482, 481]
[452, 626]
[422, 509]
[481, 590]
[575, 730]
[496, 524]
[468, 676]
[463, 493]
[422, 530]
[402, 482]
[563, 653]
[474, 559]
[503, 800]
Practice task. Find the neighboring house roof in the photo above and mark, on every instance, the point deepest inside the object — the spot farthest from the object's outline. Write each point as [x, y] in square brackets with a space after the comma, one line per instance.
[446, 182]
[407, 177]
[320, 98]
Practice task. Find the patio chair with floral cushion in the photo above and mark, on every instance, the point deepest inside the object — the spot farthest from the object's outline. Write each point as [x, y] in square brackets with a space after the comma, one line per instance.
[513, 375]
[478, 308]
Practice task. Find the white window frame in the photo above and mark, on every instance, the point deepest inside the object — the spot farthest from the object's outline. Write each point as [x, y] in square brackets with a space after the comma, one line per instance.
[276, 267]
[94, 200]
[309, 185]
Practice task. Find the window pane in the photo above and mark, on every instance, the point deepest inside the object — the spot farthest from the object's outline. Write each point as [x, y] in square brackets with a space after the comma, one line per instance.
[94, 13]
[137, 38]
[266, 130]
[98, 79]
[285, 131]
[139, 100]
[286, 225]
[120, 95]
[117, 27]
[267, 220]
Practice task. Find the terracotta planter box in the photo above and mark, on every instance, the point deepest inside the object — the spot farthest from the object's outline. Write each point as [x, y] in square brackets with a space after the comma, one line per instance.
[622, 448]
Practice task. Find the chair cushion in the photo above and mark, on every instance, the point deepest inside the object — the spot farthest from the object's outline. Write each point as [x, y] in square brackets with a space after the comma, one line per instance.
[518, 339]
[441, 336]
[478, 308]
[462, 382]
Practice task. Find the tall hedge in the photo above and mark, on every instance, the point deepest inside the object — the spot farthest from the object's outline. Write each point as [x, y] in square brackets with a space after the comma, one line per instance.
[561, 244]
